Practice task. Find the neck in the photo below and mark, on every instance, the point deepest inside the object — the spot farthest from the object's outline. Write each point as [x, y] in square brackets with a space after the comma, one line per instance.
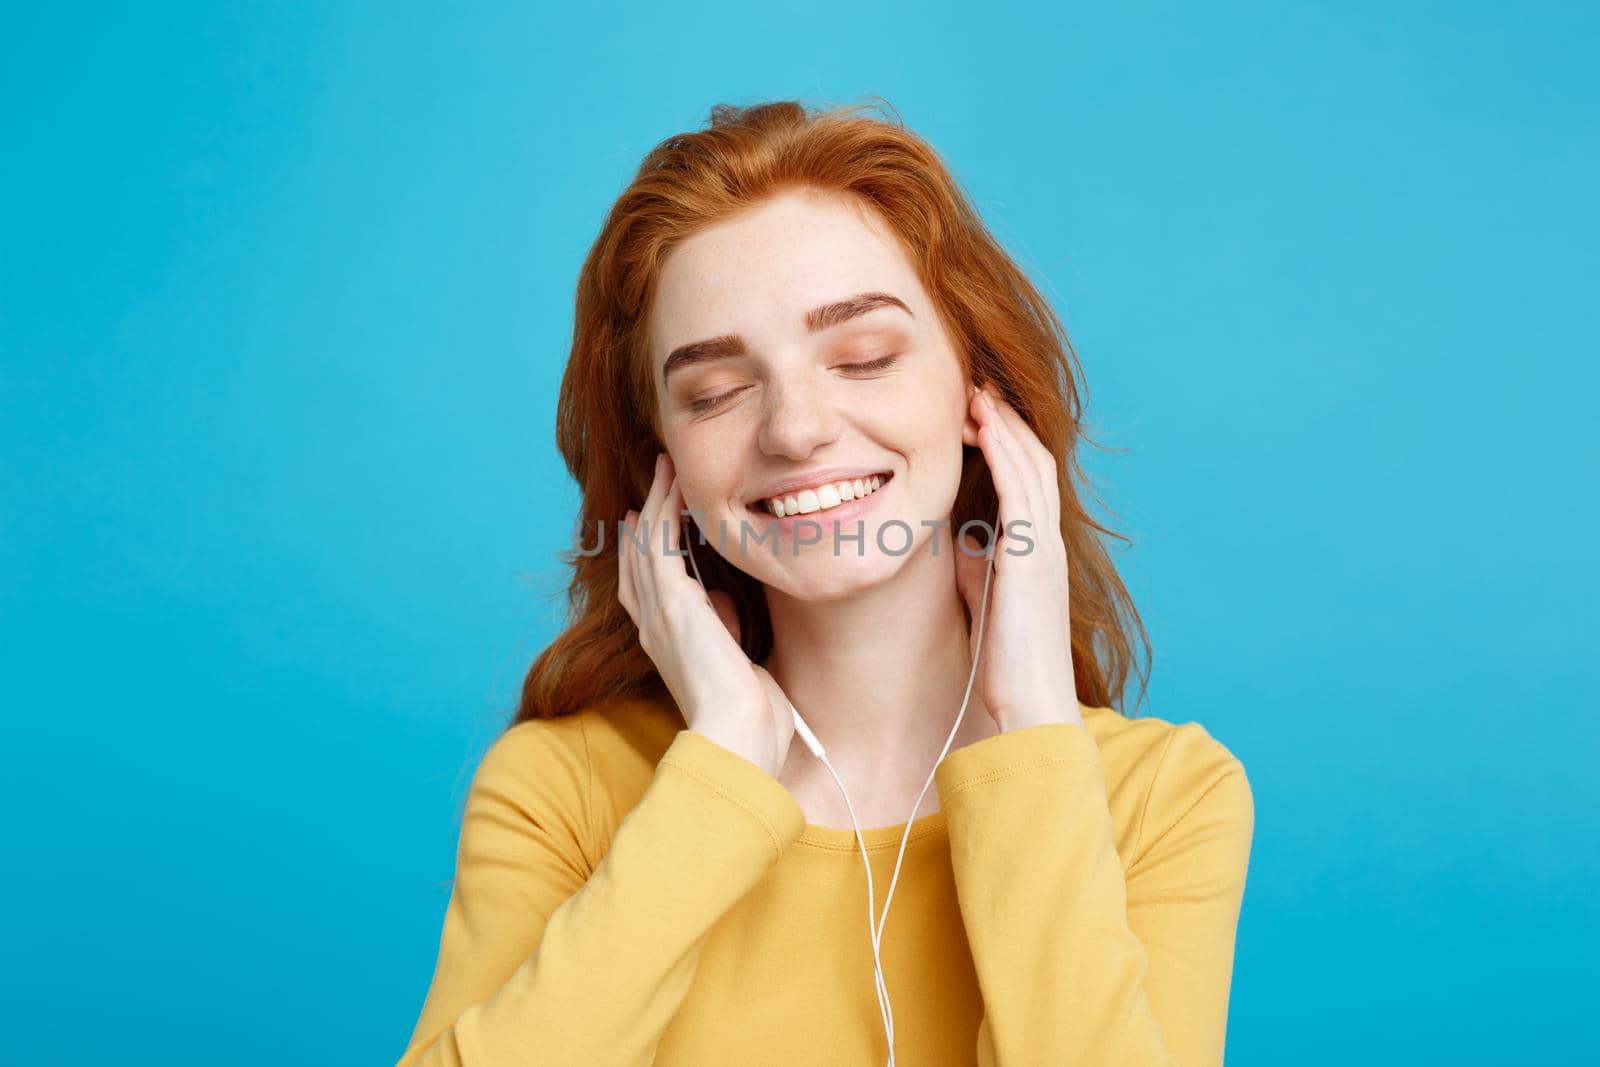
[879, 676]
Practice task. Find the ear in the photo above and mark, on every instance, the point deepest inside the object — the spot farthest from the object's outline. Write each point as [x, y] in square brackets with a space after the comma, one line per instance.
[969, 424]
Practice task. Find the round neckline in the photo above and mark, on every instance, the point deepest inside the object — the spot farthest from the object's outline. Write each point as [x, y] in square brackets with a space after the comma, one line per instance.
[875, 838]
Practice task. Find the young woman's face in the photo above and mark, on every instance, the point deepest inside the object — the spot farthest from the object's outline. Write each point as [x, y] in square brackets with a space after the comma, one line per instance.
[827, 364]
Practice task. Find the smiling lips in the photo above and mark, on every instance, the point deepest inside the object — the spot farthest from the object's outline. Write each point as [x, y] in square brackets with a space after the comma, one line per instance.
[825, 496]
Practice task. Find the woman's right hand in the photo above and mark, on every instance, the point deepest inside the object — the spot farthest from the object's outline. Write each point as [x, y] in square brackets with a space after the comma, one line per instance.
[693, 637]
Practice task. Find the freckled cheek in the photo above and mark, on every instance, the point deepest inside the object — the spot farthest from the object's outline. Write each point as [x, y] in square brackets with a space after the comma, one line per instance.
[931, 447]
[707, 484]
[918, 432]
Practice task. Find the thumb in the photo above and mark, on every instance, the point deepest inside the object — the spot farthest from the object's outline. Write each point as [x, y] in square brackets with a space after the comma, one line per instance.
[969, 572]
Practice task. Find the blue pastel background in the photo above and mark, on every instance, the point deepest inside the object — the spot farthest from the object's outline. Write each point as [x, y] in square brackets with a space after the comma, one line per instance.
[284, 299]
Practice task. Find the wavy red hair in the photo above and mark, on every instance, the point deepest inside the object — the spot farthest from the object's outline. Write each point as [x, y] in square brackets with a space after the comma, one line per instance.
[606, 418]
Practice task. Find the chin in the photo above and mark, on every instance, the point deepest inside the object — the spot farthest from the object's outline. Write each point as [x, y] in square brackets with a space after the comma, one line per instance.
[823, 577]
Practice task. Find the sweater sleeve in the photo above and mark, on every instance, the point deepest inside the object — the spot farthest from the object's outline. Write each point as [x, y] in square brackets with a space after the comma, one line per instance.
[543, 960]
[1078, 959]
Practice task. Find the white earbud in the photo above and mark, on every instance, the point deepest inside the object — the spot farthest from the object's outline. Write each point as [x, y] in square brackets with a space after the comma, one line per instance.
[807, 736]
[875, 926]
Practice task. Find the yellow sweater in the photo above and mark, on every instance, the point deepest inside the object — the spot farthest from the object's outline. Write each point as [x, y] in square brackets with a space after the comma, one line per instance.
[628, 891]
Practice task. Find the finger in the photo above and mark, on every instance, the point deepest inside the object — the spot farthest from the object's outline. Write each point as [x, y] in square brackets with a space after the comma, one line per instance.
[1045, 463]
[625, 580]
[670, 567]
[1038, 464]
[647, 529]
[1009, 482]
[638, 549]
[1032, 457]
[650, 511]
[1047, 489]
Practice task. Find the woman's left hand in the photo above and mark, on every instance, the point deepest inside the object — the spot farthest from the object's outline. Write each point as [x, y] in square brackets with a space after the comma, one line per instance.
[1026, 677]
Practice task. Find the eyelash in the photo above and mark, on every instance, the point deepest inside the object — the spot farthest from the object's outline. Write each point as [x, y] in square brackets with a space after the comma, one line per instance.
[697, 407]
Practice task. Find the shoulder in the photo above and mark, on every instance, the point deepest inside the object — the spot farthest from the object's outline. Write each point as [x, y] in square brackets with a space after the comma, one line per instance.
[1177, 751]
[1171, 771]
[529, 794]
[535, 754]
[570, 745]
[577, 770]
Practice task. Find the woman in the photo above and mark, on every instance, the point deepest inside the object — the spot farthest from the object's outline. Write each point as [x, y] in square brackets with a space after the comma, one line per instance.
[791, 312]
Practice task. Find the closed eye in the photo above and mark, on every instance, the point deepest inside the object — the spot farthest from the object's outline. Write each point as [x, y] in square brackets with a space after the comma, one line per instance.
[706, 404]
[872, 365]
[697, 407]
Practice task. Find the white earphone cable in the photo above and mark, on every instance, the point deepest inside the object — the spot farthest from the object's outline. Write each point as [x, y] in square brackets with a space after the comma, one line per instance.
[875, 925]
[983, 610]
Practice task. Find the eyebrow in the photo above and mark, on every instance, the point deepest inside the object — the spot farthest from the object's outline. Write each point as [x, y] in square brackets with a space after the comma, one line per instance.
[822, 317]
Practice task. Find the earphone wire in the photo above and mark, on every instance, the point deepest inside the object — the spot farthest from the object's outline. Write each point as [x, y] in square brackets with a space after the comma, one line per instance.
[876, 924]
[977, 655]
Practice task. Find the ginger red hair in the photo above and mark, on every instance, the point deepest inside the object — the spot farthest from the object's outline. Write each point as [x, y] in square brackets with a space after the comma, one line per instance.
[606, 424]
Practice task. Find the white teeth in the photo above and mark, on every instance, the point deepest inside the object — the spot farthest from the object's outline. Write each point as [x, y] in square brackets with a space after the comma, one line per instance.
[823, 497]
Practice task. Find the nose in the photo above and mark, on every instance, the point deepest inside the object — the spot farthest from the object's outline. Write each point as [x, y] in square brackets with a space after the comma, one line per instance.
[798, 418]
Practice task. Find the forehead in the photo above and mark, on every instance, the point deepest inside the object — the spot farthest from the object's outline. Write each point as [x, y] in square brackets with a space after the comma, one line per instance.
[760, 271]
